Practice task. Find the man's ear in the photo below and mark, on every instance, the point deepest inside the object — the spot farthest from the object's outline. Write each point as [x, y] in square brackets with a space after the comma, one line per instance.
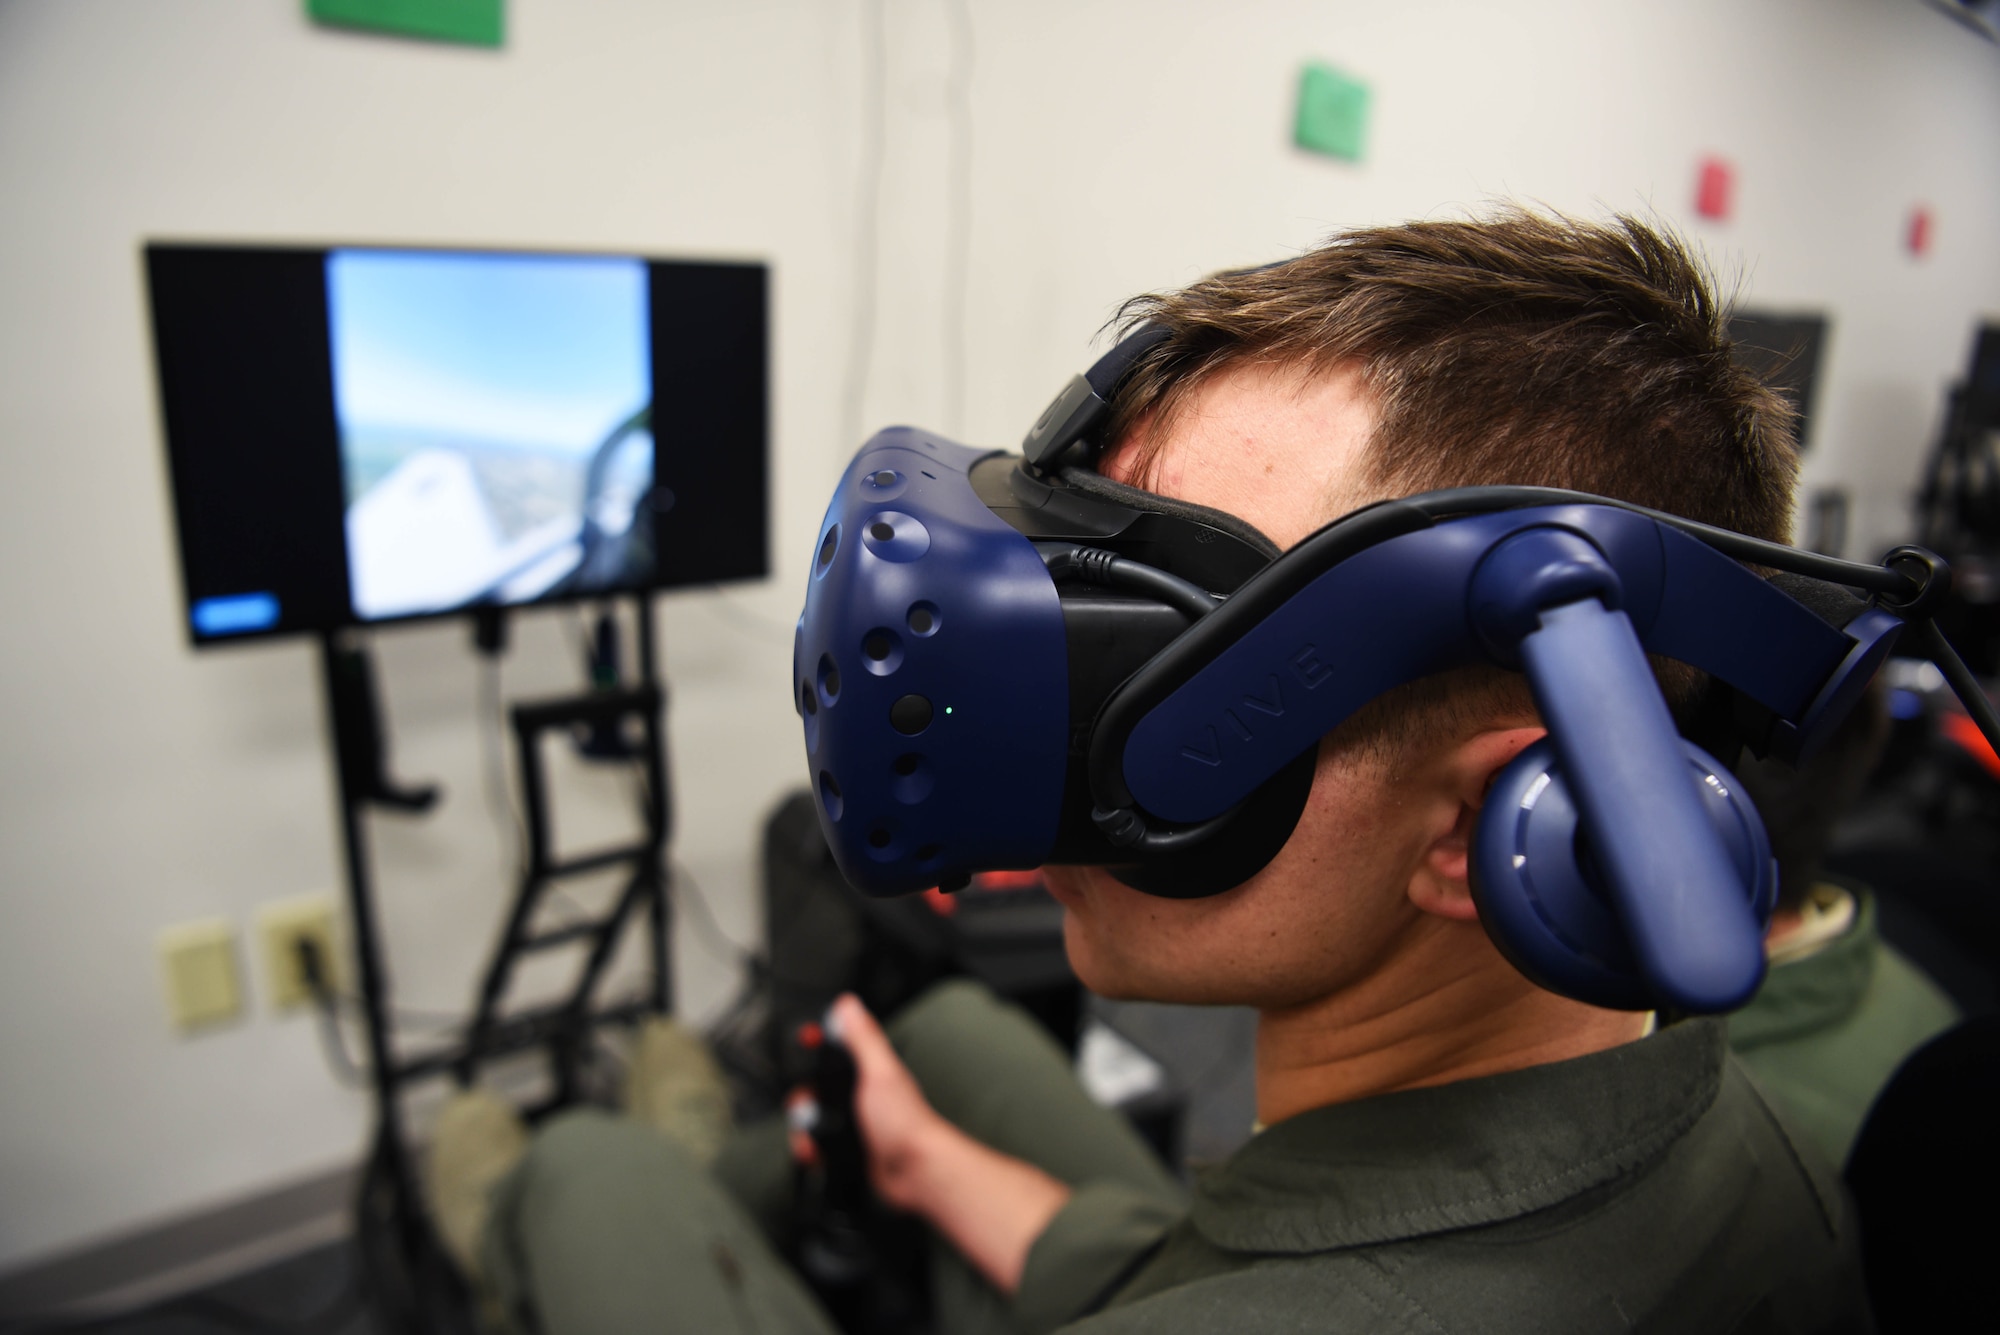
[1442, 882]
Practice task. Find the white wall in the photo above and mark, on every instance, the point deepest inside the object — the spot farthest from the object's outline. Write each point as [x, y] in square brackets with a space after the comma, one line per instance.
[1118, 146]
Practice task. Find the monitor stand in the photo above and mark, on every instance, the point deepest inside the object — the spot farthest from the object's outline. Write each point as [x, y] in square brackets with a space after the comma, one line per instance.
[415, 1288]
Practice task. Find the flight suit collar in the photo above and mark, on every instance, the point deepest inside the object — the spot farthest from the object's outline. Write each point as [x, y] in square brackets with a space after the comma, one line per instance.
[1461, 1155]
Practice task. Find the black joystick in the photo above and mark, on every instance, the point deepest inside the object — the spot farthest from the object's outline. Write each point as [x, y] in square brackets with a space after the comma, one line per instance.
[864, 1262]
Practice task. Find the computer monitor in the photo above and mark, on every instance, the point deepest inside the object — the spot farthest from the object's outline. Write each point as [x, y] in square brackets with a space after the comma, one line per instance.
[1982, 381]
[1784, 351]
[364, 434]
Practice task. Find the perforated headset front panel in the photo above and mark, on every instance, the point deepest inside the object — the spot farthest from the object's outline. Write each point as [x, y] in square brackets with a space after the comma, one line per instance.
[930, 670]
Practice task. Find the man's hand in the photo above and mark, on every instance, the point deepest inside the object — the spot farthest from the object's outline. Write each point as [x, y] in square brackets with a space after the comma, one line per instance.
[991, 1206]
[897, 1121]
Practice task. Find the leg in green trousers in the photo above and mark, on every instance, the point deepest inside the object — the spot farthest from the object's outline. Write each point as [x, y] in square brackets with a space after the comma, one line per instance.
[608, 1228]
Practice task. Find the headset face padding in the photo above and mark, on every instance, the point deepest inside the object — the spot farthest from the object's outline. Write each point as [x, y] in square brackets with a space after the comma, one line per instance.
[1541, 897]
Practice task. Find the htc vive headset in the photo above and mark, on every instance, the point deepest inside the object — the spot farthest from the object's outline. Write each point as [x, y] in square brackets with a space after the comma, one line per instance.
[1007, 661]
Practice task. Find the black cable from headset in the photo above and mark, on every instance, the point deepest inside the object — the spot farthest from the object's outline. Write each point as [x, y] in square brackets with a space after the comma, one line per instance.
[1146, 839]
[1094, 565]
[1931, 641]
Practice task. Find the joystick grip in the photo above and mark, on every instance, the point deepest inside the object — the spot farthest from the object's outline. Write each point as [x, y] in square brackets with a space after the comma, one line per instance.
[843, 1157]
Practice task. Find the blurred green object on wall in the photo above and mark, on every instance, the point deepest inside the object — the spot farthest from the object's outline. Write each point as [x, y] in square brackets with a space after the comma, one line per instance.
[472, 22]
[1333, 113]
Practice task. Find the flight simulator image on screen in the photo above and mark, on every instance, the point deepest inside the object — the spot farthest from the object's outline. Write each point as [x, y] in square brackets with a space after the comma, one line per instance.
[374, 434]
[494, 415]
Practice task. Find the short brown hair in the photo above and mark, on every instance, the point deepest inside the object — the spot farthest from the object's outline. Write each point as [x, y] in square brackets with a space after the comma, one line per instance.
[1521, 349]
[1516, 349]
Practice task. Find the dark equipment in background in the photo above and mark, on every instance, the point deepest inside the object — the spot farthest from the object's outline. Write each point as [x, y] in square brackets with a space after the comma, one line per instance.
[1826, 522]
[1926, 1159]
[605, 737]
[1785, 352]
[1925, 836]
[1959, 505]
[359, 737]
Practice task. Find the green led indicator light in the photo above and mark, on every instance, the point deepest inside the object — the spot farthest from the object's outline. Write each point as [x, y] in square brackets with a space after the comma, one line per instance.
[947, 709]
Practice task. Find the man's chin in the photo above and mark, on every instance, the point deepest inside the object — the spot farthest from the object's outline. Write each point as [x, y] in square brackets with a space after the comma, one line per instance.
[1119, 950]
[1106, 977]
[1111, 984]
[1115, 976]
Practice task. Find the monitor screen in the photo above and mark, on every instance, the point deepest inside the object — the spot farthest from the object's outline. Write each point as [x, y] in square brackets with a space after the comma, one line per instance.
[362, 434]
[1982, 382]
[1784, 351]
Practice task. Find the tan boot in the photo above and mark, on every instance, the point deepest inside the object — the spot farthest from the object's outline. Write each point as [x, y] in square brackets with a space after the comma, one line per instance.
[476, 1141]
[675, 1087]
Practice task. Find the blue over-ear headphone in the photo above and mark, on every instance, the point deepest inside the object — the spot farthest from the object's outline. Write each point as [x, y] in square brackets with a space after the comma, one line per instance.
[1006, 662]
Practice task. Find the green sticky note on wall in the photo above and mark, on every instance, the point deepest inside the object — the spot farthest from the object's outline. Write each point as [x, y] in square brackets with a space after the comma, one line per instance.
[1333, 113]
[473, 22]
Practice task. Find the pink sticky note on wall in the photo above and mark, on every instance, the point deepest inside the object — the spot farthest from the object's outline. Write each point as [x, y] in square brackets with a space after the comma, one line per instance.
[1715, 188]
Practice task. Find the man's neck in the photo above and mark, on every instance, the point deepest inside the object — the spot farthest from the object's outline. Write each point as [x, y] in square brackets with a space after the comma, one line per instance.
[1439, 1013]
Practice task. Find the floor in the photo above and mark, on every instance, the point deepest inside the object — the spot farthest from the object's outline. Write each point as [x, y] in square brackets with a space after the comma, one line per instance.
[315, 1293]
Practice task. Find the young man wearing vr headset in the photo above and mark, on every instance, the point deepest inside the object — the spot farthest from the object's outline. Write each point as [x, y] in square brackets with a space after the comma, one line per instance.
[1443, 1144]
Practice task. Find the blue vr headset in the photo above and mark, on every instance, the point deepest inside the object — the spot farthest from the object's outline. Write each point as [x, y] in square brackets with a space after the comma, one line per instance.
[1007, 661]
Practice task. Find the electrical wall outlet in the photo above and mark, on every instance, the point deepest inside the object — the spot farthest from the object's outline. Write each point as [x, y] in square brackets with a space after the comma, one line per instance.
[204, 986]
[281, 926]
